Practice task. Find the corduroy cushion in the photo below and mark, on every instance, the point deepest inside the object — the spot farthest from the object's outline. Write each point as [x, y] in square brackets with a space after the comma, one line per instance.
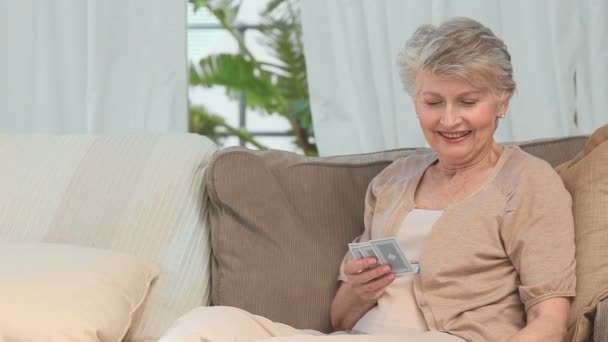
[586, 178]
[600, 328]
[280, 224]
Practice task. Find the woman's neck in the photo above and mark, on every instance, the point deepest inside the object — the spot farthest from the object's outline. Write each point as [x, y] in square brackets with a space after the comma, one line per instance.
[484, 161]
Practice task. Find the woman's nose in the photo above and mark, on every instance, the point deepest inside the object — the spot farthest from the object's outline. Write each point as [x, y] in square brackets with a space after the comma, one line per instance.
[450, 116]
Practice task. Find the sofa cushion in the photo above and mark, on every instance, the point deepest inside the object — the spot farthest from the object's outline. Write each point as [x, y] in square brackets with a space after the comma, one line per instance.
[280, 224]
[555, 151]
[586, 178]
[141, 195]
[57, 292]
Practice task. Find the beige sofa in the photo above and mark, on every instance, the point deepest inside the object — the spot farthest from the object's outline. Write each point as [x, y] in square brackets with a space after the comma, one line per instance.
[141, 196]
[148, 227]
[280, 224]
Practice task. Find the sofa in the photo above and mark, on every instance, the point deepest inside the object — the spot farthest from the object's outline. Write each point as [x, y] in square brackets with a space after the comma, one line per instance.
[108, 238]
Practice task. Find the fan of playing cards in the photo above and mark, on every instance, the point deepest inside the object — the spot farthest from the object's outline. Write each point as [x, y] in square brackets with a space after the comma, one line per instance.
[386, 251]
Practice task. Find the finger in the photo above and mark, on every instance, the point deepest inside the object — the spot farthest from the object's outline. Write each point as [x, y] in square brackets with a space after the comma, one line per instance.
[375, 273]
[357, 266]
[380, 284]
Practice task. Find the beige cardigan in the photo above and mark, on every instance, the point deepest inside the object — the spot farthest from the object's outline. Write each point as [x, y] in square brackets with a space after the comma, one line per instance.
[490, 256]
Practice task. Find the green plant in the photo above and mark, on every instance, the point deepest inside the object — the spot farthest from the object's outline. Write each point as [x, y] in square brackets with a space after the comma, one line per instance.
[277, 88]
[216, 128]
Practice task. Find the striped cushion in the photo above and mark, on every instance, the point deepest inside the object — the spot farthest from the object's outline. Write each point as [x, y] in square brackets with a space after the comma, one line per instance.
[600, 329]
[586, 178]
[141, 195]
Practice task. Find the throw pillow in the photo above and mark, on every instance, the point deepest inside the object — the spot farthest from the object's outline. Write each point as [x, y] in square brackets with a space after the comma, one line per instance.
[56, 292]
[586, 177]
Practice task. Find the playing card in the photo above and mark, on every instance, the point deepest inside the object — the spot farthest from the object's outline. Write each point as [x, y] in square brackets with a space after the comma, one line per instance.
[357, 252]
[362, 250]
[389, 252]
[386, 251]
[368, 251]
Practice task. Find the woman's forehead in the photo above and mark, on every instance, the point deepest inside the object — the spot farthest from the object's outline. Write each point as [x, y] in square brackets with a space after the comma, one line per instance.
[430, 83]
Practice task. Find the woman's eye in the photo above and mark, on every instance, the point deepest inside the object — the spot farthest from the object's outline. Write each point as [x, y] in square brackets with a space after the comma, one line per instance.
[433, 103]
[468, 102]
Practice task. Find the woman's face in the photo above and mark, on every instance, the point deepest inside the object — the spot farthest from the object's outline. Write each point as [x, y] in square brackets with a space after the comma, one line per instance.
[457, 119]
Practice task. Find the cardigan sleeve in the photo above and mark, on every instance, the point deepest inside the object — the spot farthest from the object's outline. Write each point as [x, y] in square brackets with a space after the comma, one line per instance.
[538, 233]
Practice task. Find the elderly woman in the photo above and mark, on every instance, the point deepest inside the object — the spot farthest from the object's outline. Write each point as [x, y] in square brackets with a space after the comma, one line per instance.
[490, 226]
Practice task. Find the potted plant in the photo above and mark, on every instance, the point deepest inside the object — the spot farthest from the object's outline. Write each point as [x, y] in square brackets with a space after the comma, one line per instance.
[276, 88]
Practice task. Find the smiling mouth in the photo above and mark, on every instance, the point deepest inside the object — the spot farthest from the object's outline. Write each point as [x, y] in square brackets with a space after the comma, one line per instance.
[454, 135]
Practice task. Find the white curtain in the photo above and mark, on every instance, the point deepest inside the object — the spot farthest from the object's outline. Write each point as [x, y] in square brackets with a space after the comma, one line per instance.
[592, 65]
[93, 66]
[559, 52]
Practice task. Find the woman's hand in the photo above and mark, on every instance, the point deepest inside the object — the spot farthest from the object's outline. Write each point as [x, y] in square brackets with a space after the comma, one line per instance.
[360, 292]
[367, 285]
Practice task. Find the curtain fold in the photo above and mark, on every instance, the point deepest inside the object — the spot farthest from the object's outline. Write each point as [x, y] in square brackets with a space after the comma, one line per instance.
[85, 66]
[359, 105]
[592, 66]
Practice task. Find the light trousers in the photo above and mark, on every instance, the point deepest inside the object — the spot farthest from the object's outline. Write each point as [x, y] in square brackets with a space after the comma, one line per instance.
[228, 324]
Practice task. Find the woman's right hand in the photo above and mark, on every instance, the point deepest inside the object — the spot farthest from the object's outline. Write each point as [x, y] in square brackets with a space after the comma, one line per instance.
[367, 284]
[360, 292]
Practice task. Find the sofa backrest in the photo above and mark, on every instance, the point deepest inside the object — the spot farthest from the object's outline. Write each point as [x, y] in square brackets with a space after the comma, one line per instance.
[280, 224]
[142, 195]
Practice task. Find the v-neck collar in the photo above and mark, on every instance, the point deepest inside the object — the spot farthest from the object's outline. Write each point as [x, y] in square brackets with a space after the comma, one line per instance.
[432, 158]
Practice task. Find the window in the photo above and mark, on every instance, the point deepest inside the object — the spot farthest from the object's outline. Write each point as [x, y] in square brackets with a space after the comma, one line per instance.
[205, 37]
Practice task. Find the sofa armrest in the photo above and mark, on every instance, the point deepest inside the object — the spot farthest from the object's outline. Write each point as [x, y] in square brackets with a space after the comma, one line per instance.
[600, 326]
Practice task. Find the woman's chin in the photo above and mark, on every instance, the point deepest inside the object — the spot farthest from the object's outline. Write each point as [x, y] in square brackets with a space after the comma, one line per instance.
[454, 153]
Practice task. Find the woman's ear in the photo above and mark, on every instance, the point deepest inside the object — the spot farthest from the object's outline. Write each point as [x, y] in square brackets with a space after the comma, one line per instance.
[504, 103]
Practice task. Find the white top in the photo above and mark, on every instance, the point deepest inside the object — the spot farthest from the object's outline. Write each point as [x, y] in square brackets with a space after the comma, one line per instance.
[397, 311]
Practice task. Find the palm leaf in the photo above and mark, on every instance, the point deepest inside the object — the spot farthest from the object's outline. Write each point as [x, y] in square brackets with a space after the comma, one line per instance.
[224, 9]
[275, 87]
[198, 4]
[207, 124]
[238, 74]
[211, 125]
[272, 5]
[283, 36]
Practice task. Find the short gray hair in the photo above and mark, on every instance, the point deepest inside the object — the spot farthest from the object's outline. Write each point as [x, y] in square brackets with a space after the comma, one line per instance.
[460, 47]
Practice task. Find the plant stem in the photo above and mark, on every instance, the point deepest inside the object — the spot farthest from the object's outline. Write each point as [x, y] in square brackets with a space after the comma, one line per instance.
[233, 32]
[245, 136]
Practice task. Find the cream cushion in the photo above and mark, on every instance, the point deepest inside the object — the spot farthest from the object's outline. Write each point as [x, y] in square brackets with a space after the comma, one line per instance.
[56, 292]
[586, 178]
[141, 195]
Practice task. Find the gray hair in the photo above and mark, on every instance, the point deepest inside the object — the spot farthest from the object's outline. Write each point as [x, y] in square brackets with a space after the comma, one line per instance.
[459, 47]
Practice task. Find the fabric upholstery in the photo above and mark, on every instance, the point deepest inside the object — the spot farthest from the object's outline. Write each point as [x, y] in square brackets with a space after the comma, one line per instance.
[600, 327]
[280, 224]
[555, 151]
[62, 293]
[141, 195]
[586, 178]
